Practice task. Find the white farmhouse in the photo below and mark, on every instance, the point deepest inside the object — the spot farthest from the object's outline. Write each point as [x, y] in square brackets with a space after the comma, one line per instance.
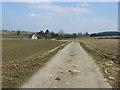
[34, 36]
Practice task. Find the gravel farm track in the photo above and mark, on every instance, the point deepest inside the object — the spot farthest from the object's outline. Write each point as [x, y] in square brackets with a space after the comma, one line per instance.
[71, 67]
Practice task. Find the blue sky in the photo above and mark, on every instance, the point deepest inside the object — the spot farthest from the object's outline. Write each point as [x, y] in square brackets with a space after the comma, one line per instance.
[67, 16]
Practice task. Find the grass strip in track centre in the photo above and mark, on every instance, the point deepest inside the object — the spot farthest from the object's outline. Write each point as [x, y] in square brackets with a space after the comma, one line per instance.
[107, 66]
[15, 75]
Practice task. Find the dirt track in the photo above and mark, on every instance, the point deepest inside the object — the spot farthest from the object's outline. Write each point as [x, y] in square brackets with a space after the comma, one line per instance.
[71, 67]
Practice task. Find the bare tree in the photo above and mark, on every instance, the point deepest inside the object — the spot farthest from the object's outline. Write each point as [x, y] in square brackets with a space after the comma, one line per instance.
[61, 34]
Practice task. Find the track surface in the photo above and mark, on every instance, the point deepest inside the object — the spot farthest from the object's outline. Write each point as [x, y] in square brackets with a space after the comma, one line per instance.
[71, 67]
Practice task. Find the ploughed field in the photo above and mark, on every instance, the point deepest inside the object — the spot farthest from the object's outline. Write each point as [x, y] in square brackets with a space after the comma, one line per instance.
[21, 58]
[108, 47]
[106, 53]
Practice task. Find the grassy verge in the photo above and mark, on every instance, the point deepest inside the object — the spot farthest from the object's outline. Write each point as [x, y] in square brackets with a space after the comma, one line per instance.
[107, 66]
[17, 72]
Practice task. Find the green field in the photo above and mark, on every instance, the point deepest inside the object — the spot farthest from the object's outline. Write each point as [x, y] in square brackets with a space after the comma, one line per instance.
[21, 58]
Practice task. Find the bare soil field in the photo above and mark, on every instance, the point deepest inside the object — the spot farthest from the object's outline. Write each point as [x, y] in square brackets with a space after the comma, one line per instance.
[107, 37]
[106, 46]
[21, 58]
[105, 52]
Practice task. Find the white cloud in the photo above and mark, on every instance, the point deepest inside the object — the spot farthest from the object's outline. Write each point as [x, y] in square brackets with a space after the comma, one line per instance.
[95, 24]
[60, 0]
[59, 10]
[84, 4]
[101, 20]
[34, 15]
[48, 16]
[95, 20]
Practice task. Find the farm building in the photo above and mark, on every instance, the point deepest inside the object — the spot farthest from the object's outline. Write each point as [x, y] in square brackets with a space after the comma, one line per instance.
[34, 36]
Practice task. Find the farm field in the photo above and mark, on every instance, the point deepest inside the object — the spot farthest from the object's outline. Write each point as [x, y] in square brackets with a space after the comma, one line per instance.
[105, 52]
[21, 58]
[19, 49]
[107, 46]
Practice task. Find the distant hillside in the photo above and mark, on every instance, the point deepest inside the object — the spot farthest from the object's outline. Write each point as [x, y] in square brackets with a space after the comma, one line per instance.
[5, 32]
[108, 33]
[14, 34]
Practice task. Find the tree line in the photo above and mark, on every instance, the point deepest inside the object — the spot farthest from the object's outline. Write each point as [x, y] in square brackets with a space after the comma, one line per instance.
[60, 35]
[49, 34]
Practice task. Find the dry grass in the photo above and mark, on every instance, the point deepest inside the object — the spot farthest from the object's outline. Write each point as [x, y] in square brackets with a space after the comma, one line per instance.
[107, 46]
[105, 52]
[20, 49]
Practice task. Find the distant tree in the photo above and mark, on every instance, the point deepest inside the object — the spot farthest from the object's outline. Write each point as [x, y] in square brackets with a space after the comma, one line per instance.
[53, 35]
[18, 32]
[5, 30]
[30, 36]
[74, 35]
[61, 34]
[47, 31]
[47, 34]
[80, 33]
[56, 35]
[41, 34]
[93, 35]
[86, 34]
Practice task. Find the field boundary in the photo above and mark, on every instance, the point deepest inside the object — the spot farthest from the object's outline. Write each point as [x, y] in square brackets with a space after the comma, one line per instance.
[108, 68]
[104, 55]
[22, 71]
[52, 50]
